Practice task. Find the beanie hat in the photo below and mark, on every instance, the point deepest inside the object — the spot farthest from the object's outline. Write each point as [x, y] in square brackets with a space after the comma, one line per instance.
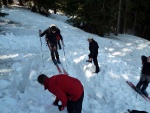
[53, 28]
[41, 78]
[90, 38]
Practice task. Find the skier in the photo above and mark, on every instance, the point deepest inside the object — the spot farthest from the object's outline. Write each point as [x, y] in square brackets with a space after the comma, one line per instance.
[51, 37]
[145, 75]
[93, 47]
[67, 89]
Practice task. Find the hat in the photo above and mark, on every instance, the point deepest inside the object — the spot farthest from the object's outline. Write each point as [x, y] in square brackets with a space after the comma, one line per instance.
[90, 38]
[41, 78]
[53, 27]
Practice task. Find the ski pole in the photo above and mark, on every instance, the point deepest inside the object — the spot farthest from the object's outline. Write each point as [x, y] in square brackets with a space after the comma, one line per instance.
[136, 94]
[42, 51]
[65, 57]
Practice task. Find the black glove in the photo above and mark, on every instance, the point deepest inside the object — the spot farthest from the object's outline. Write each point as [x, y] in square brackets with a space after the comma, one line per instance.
[88, 61]
[55, 103]
[60, 107]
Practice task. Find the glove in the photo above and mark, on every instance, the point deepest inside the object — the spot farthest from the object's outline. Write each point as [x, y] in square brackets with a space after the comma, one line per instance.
[55, 103]
[88, 61]
[60, 107]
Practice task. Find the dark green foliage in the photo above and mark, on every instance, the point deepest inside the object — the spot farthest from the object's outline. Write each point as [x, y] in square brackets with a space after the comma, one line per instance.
[100, 16]
[3, 14]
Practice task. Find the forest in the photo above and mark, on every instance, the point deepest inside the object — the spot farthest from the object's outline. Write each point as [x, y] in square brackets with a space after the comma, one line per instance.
[100, 17]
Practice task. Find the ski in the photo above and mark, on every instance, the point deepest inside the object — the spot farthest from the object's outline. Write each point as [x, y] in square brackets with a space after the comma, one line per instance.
[139, 92]
[64, 71]
[57, 66]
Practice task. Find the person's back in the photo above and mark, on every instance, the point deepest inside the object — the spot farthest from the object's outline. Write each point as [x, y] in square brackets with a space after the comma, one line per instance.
[67, 89]
[67, 84]
[93, 47]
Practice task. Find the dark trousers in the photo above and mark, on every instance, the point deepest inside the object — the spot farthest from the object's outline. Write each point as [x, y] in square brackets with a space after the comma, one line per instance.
[54, 53]
[75, 107]
[144, 81]
[95, 62]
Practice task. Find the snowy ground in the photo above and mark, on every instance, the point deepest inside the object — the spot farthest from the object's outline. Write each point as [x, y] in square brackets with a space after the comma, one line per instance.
[21, 62]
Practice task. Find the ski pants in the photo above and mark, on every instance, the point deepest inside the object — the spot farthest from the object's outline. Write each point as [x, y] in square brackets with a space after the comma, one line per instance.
[54, 53]
[95, 62]
[144, 81]
[75, 106]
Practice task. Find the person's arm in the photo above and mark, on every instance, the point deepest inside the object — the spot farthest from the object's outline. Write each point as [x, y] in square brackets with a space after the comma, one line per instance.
[42, 34]
[61, 38]
[144, 59]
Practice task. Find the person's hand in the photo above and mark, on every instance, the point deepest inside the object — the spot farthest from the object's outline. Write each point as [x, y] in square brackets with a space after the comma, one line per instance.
[60, 107]
[55, 103]
[40, 32]
[148, 59]
[89, 61]
[54, 48]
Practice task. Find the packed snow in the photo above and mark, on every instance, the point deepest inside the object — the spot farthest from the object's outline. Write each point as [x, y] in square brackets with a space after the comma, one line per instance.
[23, 58]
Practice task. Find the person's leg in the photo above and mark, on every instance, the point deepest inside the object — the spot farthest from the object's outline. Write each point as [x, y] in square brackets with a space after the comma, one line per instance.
[52, 53]
[69, 106]
[143, 89]
[75, 107]
[56, 54]
[140, 83]
[96, 64]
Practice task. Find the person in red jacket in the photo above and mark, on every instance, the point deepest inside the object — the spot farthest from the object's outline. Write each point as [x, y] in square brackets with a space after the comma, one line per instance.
[67, 89]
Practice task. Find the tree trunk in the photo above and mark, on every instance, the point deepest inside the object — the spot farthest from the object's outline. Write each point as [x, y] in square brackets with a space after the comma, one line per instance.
[144, 31]
[4, 2]
[10, 1]
[20, 3]
[125, 17]
[0, 3]
[134, 24]
[118, 21]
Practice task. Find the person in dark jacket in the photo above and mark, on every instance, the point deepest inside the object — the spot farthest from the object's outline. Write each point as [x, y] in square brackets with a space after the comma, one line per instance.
[51, 37]
[145, 75]
[67, 89]
[93, 47]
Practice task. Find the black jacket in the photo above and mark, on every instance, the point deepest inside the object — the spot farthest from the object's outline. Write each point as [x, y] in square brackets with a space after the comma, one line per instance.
[52, 37]
[146, 66]
[93, 47]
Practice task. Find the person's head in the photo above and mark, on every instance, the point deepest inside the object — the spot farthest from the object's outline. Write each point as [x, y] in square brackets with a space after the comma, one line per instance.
[90, 39]
[53, 28]
[41, 78]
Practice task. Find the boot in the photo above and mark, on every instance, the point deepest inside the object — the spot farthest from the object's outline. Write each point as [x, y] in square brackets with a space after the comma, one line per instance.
[138, 86]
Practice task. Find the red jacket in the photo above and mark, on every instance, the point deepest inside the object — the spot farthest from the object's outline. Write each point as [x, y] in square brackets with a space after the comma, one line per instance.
[64, 87]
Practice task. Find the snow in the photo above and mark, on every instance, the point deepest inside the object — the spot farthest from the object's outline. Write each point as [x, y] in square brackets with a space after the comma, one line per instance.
[22, 59]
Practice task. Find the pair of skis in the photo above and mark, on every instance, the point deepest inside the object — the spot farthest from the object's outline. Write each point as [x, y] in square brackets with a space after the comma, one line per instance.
[139, 92]
[60, 67]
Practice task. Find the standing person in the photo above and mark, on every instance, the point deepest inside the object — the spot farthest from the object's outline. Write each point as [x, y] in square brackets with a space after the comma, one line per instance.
[145, 75]
[93, 47]
[67, 89]
[51, 36]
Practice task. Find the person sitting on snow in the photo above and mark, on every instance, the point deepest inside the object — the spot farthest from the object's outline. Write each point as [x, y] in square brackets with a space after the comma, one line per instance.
[145, 75]
[67, 89]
